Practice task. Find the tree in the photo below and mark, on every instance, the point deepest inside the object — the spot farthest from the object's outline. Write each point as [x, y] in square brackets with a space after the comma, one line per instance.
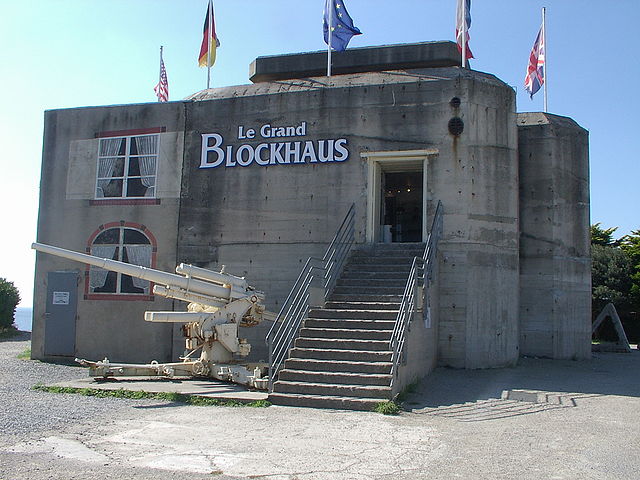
[611, 271]
[630, 244]
[603, 236]
[615, 276]
[9, 299]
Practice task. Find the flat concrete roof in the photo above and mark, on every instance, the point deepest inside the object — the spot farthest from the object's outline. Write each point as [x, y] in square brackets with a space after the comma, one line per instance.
[356, 60]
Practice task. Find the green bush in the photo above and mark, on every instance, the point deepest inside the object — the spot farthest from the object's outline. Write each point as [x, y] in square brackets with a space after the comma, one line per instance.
[387, 408]
[9, 299]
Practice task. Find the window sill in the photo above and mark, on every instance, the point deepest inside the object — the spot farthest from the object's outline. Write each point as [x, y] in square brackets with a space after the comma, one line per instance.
[119, 297]
[125, 201]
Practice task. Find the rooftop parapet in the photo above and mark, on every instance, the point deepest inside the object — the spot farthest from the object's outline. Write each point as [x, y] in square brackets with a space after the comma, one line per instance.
[356, 60]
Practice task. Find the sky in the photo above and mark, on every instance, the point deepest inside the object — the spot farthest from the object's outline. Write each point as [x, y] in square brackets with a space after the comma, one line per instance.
[75, 53]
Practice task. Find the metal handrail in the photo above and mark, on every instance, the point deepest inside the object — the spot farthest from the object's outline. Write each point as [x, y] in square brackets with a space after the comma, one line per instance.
[419, 276]
[295, 308]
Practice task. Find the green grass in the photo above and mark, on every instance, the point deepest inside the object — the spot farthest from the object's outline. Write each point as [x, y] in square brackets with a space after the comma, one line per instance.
[26, 355]
[387, 408]
[138, 395]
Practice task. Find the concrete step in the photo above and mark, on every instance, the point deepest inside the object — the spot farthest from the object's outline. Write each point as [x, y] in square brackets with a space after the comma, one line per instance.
[342, 344]
[330, 323]
[372, 274]
[356, 314]
[335, 354]
[352, 333]
[372, 282]
[343, 366]
[324, 401]
[334, 377]
[382, 260]
[367, 290]
[363, 305]
[334, 389]
[368, 267]
[390, 248]
[348, 297]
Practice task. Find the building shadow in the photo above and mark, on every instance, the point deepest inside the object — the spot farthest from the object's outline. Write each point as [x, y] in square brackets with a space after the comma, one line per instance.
[476, 394]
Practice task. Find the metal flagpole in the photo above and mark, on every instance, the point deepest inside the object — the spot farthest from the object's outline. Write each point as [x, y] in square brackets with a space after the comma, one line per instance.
[160, 72]
[464, 33]
[330, 10]
[209, 35]
[546, 61]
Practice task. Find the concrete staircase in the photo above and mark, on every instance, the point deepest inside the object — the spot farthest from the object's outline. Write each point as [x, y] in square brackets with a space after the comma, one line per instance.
[341, 358]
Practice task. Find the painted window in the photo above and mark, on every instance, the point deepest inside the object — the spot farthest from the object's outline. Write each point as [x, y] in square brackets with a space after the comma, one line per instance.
[127, 167]
[124, 244]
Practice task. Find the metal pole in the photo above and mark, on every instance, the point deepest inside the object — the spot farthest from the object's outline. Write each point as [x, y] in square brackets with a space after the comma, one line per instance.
[464, 33]
[546, 60]
[160, 73]
[209, 36]
[330, 33]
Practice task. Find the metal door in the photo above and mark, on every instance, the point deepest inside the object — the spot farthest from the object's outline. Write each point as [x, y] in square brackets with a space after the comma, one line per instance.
[60, 313]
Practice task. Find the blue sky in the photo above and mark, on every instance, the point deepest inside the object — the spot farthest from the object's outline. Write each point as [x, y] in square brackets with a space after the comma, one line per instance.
[74, 53]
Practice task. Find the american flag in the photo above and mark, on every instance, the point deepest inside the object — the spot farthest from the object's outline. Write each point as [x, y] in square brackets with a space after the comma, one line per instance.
[162, 88]
[535, 70]
[463, 24]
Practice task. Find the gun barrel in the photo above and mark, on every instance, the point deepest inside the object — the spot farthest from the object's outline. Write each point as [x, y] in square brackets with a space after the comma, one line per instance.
[211, 276]
[155, 276]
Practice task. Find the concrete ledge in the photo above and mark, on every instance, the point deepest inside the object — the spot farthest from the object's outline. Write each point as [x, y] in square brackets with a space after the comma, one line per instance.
[536, 396]
[185, 386]
[355, 60]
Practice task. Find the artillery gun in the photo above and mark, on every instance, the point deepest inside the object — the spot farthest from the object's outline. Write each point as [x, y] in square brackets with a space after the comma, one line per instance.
[219, 303]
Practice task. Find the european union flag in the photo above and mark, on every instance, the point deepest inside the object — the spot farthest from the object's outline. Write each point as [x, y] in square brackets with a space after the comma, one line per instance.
[342, 28]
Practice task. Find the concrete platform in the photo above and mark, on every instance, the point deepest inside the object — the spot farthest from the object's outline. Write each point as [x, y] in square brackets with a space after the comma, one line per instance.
[185, 386]
[355, 60]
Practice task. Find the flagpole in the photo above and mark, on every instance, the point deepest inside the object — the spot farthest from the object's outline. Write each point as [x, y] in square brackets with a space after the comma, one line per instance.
[160, 70]
[464, 33]
[209, 34]
[546, 60]
[330, 34]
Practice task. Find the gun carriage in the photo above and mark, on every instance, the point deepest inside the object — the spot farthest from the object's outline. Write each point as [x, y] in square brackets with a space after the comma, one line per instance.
[218, 304]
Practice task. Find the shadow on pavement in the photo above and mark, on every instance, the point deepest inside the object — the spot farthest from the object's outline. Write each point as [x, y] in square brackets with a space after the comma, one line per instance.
[604, 374]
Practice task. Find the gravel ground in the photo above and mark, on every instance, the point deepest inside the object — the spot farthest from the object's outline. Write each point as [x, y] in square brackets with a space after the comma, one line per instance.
[28, 416]
[27, 413]
[456, 426]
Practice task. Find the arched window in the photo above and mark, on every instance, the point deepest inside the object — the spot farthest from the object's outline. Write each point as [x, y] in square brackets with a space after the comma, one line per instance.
[125, 244]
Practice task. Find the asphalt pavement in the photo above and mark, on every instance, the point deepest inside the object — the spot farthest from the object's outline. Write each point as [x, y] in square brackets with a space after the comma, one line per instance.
[581, 421]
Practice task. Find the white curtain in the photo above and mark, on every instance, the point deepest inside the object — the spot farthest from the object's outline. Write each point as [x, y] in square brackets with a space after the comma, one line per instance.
[98, 276]
[147, 145]
[109, 147]
[140, 255]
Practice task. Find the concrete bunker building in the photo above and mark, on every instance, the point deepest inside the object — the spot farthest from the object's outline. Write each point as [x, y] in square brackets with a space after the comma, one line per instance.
[259, 177]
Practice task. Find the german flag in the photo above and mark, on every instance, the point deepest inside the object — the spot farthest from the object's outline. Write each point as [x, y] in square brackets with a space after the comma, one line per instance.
[209, 40]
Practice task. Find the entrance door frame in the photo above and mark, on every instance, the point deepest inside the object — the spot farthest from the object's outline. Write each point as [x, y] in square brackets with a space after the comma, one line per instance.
[393, 161]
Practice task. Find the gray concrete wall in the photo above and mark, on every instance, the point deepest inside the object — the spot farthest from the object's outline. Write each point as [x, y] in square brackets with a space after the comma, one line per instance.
[266, 221]
[67, 219]
[555, 264]
[476, 177]
[421, 354]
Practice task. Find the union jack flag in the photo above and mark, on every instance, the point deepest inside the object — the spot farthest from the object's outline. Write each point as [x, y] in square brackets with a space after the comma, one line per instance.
[162, 88]
[535, 71]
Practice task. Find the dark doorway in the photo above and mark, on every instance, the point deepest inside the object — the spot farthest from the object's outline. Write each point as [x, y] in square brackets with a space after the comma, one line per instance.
[402, 207]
